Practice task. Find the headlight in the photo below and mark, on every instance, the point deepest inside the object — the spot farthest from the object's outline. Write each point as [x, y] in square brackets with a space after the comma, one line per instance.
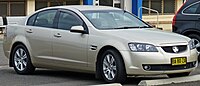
[142, 47]
[192, 44]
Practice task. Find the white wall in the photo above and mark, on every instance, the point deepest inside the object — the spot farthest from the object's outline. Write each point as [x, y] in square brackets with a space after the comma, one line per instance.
[128, 5]
[30, 7]
[1, 21]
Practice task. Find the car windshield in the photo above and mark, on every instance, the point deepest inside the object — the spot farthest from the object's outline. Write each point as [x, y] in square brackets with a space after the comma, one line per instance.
[114, 19]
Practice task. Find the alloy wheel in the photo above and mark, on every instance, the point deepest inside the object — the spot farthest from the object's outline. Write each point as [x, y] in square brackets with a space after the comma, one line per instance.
[20, 59]
[109, 67]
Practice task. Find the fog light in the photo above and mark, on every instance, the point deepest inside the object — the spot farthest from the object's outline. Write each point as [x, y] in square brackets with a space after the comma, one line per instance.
[147, 67]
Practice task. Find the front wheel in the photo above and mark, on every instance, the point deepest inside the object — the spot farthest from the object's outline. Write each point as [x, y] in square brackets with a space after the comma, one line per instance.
[178, 74]
[112, 68]
[21, 60]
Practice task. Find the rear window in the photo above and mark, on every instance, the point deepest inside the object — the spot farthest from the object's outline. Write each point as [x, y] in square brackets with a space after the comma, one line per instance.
[192, 9]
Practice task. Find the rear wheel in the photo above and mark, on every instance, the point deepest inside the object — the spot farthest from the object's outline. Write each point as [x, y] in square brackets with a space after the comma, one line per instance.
[112, 68]
[178, 74]
[21, 60]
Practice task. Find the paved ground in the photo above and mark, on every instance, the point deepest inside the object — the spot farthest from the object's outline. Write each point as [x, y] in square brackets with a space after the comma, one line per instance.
[44, 77]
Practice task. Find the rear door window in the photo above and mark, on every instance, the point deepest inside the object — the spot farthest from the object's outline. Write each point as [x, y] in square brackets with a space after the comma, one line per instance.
[45, 18]
[31, 20]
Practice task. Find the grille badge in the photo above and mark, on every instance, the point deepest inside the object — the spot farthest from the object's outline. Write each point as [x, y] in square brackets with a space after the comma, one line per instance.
[175, 49]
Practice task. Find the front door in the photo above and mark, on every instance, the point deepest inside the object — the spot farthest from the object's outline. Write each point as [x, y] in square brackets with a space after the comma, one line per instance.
[68, 47]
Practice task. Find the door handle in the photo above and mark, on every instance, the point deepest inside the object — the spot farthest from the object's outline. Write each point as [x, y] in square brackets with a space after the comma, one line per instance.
[57, 35]
[29, 30]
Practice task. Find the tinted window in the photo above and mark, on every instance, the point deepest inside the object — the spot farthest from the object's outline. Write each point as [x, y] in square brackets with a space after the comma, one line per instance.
[45, 18]
[31, 20]
[67, 20]
[192, 9]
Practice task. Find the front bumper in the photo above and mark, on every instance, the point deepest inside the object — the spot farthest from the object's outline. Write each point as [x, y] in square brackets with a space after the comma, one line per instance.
[160, 61]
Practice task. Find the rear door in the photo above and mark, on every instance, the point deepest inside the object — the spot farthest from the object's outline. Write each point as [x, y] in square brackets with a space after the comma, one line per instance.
[39, 34]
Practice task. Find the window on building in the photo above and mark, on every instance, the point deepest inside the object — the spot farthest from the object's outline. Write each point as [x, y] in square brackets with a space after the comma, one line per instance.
[169, 6]
[3, 9]
[162, 6]
[112, 3]
[106, 2]
[40, 4]
[16, 8]
[12, 7]
[117, 3]
[72, 2]
[47, 3]
[145, 4]
[56, 3]
[156, 4]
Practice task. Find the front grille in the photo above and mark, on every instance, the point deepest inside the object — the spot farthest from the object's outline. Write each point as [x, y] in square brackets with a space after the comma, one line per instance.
[169, 49]
[168, 67]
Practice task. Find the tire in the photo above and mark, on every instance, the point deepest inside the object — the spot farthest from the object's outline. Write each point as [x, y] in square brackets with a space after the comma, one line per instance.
[178, 74]
[21, 60]
[112, 67]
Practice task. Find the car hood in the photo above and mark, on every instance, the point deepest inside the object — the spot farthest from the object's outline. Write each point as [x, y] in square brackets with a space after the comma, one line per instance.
[151, 36]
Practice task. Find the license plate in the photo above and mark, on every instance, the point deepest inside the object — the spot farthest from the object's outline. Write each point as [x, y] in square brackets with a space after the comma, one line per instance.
[179, 61]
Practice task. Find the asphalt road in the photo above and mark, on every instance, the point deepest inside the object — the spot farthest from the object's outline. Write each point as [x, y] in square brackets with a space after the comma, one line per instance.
[46, 77]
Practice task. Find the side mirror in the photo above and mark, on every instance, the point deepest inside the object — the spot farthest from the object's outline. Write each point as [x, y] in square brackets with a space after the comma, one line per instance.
[77, 29]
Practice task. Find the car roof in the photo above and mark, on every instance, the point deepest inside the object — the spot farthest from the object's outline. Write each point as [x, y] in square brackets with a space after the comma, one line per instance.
[84, 7]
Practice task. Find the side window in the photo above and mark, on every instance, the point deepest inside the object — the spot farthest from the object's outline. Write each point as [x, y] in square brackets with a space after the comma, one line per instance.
[31, 20]
[45, 18]
[192, 9]
[67, 20]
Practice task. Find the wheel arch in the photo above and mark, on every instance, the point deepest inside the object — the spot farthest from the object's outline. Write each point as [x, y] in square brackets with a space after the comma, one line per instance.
[13, 46]
[98, 75]
[191, 31]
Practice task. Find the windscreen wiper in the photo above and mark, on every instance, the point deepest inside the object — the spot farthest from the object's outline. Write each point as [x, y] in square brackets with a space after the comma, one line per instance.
[132, 27]
[145, 27]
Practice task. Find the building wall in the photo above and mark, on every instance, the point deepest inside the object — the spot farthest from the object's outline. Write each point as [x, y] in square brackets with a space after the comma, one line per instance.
[27, 7]
[165, 21]
[12, 7]
[30, 7]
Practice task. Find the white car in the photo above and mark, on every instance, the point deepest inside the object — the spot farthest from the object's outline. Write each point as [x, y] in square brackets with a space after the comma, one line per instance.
[107, 41]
